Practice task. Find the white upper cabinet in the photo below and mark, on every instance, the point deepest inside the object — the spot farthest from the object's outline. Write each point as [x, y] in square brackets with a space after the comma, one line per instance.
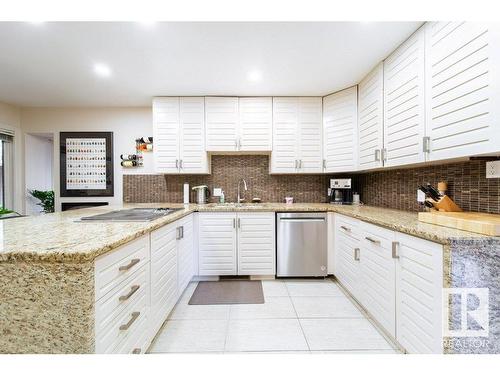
[462, 89]
[166, 134]
[285, 134]
[179, 135]
[404, 102]
[297, 135]
[256, 124]
[222, 118]
[310, 136]
[370, 119]
[340, 130]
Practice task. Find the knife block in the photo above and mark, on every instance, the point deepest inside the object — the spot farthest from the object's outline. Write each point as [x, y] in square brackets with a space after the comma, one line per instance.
[447, 205]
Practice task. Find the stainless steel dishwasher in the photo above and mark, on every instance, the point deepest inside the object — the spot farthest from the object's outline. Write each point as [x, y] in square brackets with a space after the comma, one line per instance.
[301, 244]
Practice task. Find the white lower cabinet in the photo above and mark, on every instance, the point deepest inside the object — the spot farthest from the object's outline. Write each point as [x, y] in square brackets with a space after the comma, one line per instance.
[138, 284]
[185, 253]
[378, 270]
[236, 244]
[163, 274]
[419, 281]
[397, 278]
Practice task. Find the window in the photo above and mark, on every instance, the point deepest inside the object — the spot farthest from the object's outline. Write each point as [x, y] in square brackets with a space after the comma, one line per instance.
[6, 169]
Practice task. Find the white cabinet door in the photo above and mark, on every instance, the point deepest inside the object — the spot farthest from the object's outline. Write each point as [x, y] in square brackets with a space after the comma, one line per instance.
[285, 133]
[378, 275]
[340, 131]
[310, 135]
[217, 243]
[370, 119]
[185, 253]
[347, 254]
[192, 155]
[256, 243]
[163, 274]
[166, 134]
[419, 282]
[462, 89]
[404, 102]
[221, 122]
[256, 124]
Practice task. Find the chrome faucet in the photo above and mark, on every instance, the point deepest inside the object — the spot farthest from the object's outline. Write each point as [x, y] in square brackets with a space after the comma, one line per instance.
[246, 188]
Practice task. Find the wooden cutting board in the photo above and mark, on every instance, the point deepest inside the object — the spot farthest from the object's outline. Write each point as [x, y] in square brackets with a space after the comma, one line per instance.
[488, 224]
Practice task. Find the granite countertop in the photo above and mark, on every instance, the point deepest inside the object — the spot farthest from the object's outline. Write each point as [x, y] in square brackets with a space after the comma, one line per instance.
[62, 237]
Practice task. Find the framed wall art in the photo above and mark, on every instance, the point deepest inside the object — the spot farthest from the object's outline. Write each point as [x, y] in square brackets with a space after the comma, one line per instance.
[86, 164]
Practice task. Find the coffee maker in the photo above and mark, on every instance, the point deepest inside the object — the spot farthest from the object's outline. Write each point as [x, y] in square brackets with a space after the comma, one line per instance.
[340, 191]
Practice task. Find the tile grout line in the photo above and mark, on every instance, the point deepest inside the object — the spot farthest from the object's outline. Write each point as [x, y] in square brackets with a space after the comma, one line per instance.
[297, 315]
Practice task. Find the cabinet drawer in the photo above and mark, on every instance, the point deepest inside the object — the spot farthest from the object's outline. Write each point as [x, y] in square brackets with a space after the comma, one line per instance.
[123, 324]
[347, 226]
[113, 268]
[125, 294]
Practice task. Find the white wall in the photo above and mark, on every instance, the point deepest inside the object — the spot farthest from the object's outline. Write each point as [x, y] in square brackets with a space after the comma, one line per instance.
[38, 164]
[126, 123]
[10, 118]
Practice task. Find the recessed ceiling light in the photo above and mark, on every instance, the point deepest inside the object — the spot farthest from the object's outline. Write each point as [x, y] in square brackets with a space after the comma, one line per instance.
[254, 76]
[102, 70]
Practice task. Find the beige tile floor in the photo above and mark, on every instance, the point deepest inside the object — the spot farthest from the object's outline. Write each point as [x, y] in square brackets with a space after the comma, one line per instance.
[299, 316]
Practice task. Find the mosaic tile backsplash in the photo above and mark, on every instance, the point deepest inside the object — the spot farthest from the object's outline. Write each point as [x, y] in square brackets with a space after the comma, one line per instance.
[467, 184]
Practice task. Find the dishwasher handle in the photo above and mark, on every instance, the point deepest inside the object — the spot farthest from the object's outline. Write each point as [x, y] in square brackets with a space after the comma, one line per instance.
[302, 219]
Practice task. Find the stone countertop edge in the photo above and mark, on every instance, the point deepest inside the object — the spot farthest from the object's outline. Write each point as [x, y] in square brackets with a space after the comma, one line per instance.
[401, 221]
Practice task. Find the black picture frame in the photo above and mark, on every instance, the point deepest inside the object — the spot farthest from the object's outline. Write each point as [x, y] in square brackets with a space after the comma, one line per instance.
[109, 191]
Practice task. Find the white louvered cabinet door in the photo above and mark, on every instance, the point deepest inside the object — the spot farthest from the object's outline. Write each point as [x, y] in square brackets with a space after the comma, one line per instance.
[192, 155]
[166, 134]
[221, 122]
[340, 131]
[217, 244]
[404, 102]
[284, 157]
[185, 253]
[256, 124]
[371, 119]
[419, 284]
[310, 140]
[462, 89]
[256, 243]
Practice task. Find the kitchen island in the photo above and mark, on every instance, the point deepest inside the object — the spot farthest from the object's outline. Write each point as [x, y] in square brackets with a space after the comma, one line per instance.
[48, 262]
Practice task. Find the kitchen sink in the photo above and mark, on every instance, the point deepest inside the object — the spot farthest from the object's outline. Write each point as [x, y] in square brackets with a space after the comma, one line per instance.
[133, 214]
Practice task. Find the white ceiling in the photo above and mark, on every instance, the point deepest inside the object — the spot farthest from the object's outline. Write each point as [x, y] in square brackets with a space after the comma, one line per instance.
[51, 64]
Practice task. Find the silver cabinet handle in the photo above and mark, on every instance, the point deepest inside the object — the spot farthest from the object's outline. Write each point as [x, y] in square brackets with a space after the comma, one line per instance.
[136, 351]
[239, 143]
[345, 228]
[180, 164]
[176, 163]
[133, 289]
[132, 263]
[426, 144]
[234, 223]
[182, 231]
[384, 155]
[178, 234]
[395, 254]
[372, 240]
[324, 163]
[377, 155]
[296, 164]
[300, 164]
[356, 254]
[133, 318]
[239, 223]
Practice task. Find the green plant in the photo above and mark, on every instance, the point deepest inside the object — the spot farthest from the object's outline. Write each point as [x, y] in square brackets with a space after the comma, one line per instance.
[46, 199]
[4, 211]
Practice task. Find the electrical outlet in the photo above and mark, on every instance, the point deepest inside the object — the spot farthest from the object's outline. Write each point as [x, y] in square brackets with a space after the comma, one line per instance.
[493, 169]
[420, 196]
[217, 192]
